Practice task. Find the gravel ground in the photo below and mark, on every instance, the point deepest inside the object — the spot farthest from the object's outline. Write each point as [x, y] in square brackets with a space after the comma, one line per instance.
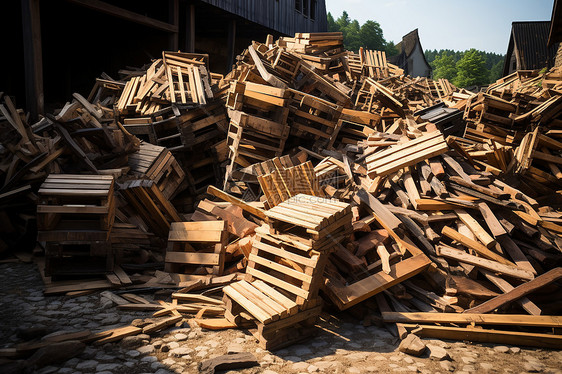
[348, 348]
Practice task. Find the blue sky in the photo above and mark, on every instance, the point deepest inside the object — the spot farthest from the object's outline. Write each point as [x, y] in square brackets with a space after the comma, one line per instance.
[452, 24]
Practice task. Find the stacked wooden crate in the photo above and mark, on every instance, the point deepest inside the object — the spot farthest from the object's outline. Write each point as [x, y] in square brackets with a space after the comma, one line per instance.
[75, 213]
[285, 270]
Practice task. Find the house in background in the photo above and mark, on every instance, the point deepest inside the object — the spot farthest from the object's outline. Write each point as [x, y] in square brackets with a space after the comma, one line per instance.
[528, 47]
[555, 34]
[411, 57]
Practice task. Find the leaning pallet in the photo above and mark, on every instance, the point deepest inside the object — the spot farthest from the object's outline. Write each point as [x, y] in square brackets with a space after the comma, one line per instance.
[159, 165]
[284, 275]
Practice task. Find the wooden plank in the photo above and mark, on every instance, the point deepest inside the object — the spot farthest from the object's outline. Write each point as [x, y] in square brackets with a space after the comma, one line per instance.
[474, 245]
[475, 227]
[193, 258]
[466, 258]
[289, 304]
[280, 268]
[347, 296]
[212, 190]
[277, 282]
[196, 298]
[503, 285]
[118, 334]
[516, 338]
[180, 235]
[478, 319]
[256, 311]
[518, 292]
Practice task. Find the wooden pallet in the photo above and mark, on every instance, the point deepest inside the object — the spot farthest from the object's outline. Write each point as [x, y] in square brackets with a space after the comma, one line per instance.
[253, 139]
[141, 128]
[406, 154]
[313, 118]
[279, 182]
[258, 100]
[280, 291]
[159, 165]
[188, 77]
[205, 124]
[147, 200]
[194, 247]
[74, 206]
[311, 220]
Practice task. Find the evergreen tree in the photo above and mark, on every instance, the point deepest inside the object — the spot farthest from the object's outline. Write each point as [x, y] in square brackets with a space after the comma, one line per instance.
[471, 69]
[370, 36]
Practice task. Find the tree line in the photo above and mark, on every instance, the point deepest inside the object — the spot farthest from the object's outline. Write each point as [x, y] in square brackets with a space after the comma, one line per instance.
[463, 68]
[466, 68]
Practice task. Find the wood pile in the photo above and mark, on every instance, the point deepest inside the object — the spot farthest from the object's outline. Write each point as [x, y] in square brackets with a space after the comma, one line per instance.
[402, 200]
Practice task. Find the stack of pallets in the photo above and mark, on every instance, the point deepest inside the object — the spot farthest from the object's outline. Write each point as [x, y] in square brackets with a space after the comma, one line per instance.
[285, 270]
[74, 215]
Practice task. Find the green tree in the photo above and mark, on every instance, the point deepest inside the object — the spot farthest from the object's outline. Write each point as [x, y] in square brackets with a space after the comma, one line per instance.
[497, 71]
[444, 66]
[391, 49]
[370, 35]
[471, 69]
[332, 27]
[352, 36]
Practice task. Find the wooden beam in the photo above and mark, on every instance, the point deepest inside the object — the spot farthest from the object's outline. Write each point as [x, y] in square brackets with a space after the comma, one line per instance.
[516, 338]
[174, 19]
[212, 190]
[480, 262]
[112, 10]
[190, 31]
[478, 319]
[518, 292]
[33, 60]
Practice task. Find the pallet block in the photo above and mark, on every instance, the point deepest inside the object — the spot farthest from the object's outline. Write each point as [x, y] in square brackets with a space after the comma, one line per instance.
[192, 245]
[75, 207]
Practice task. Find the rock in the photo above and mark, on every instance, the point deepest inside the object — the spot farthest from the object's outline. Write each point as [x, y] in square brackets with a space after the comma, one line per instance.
[180, 337]
[300, 366]
[269, 372]
[437, 353]
[133, 353]
[13, 367]
[55, 353]
[486, 366]
[107, 367]
[87, 365]
[178, 352]
[468, 360]
[447, 365]
[234, 348]
[501, 349]
[227, 362]
[533, 366]
[131, 342]
[141, 322]
[412, 345]
[515, 349]
[146, 349]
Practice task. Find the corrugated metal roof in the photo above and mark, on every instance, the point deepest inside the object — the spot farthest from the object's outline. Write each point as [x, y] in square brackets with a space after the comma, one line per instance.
[556, 24]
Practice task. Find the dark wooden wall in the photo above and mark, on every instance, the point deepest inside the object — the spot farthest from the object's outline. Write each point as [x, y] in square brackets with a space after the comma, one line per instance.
[278, 15]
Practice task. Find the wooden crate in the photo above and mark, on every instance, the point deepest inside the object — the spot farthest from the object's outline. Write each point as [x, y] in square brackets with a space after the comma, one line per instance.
[193, 246]
[158, 164]
[205, 124]
[141, 128]
[258, 100]
[72, 207]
